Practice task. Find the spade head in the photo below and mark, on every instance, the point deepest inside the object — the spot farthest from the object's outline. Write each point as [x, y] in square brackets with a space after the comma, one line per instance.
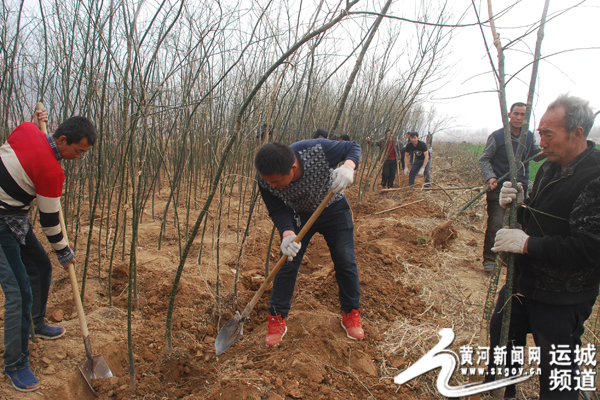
[93, 368]
[229, 333]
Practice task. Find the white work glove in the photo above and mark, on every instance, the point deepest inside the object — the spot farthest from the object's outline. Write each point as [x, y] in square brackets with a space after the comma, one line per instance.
[509, 193]
[289, 247]
[511, 240]
[342, 178]
[406, 171]
[420, 173]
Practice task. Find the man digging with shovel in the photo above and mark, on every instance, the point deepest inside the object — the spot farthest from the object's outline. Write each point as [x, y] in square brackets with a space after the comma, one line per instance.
[293, 181]
[30, 169]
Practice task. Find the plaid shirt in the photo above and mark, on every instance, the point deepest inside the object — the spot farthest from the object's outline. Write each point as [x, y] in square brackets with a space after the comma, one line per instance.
[20, 225]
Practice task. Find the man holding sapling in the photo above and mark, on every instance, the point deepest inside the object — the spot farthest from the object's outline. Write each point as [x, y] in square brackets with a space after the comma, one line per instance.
[30, 169]
[417, 156]
[293, 181]
[557, 266]
[494, 164]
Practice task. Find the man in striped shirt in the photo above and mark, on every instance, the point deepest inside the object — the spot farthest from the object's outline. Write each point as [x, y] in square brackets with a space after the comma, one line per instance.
[30, 169]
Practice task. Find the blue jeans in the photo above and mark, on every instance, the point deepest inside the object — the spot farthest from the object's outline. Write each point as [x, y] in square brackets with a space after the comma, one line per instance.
[25, 276]
[427, 172]
[336, 226]
[550, 325]
[414, 170]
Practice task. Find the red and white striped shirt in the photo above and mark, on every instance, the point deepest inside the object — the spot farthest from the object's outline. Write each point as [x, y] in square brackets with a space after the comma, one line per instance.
[29, 169]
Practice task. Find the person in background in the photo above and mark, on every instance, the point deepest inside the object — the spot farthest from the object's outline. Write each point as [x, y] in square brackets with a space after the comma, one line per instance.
[494, 164]
[262, 132]
[30, 169]
[417, 156]
[293, 181]
[321, 133]
[557, 262]
[392, 150]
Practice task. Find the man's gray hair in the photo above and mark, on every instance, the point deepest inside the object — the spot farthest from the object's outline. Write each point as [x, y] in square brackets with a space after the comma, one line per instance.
[577, 112]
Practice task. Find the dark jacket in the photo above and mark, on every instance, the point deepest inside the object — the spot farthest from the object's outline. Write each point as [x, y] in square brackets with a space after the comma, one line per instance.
[494, 159]
[318, 158]
[562, 218]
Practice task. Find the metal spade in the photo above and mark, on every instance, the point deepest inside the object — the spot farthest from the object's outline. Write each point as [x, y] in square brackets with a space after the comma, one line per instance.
[93, 366]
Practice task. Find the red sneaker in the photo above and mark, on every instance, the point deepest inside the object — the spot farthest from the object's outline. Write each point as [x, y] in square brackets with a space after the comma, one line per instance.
[276, 330]
[352, 326]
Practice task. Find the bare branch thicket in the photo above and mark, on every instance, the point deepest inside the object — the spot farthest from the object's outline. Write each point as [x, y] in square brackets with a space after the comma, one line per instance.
[174, 88]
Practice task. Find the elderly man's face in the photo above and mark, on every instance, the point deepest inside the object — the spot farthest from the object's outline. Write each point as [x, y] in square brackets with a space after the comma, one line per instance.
[558, 144]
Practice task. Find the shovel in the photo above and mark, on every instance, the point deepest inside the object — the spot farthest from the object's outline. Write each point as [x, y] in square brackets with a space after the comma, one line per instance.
[234, 328]
[94, 366]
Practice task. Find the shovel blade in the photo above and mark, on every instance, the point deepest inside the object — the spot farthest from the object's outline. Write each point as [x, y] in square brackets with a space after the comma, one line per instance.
[229, 333]
[93, 368]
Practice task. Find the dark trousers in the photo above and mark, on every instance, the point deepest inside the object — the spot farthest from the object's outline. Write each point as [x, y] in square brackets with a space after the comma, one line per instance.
[550, 325]
[494, 224]
[336, 226]
[25, 276]
[388, 173]
[414, 170]
[402, 158]
[427, 173]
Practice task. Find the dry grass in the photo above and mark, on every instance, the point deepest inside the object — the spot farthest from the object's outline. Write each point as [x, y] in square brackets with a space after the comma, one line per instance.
[449, 304]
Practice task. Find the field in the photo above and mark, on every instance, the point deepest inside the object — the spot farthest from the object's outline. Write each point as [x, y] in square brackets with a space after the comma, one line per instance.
[419, 273]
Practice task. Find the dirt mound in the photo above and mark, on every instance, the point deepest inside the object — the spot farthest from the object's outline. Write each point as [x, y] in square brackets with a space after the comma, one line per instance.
[440, 235]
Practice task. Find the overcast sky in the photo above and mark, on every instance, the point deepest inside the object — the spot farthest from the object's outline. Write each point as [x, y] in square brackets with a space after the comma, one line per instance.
[468, 96]
[576, 71]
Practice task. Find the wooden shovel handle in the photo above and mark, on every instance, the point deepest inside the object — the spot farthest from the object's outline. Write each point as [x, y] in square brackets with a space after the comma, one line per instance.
[39, 107]
[74, 285]
[283, 258]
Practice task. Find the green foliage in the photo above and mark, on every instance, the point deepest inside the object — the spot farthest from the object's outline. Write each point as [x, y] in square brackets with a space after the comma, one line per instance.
[475, 149]
[533, 169]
